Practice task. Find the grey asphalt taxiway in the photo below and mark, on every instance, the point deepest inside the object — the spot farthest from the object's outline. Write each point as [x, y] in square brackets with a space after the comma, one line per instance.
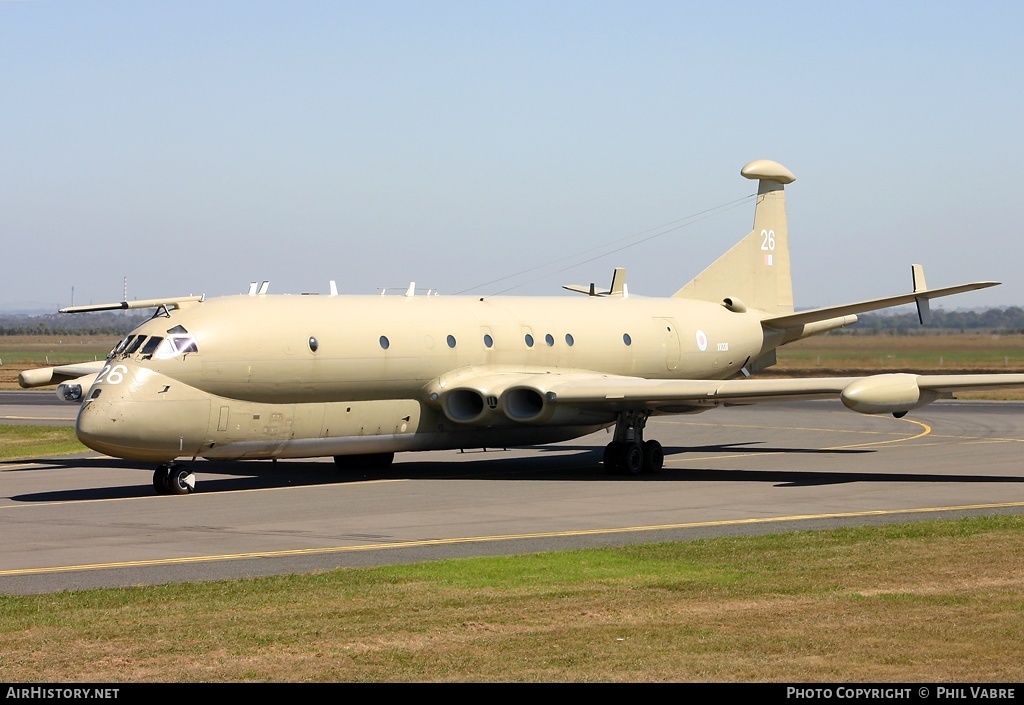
[92, 521]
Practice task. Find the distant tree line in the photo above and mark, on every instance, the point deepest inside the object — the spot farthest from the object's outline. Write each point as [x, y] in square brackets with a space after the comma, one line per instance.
[994, 320]
[114, 323]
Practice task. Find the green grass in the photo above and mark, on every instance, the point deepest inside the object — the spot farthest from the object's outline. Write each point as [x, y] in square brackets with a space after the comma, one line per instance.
[37, 441]
[930, 601]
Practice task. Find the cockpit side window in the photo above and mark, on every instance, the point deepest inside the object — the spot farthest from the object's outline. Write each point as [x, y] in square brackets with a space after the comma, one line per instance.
[117, 349]
[176, 345]
[151, 345]
[184, 344]
[134, 345]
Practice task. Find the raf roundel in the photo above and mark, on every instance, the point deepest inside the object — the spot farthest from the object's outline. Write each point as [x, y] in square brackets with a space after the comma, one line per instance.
[702, 341]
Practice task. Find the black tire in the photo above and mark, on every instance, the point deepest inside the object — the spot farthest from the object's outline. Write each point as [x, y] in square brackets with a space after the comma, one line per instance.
[161, 479]
[180, 480]
[632, 459]
[654, 457]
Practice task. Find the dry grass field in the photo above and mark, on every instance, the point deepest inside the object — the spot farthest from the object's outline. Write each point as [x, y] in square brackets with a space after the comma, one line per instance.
[931, 353]
[22, 352]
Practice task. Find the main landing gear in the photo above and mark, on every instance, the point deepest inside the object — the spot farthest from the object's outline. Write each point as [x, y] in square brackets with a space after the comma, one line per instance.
[172, 478]
[629, 453]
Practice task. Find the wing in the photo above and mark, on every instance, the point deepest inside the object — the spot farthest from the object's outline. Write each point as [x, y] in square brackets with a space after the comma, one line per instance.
[874, 394]
[894, 393]
[549, 396]
[42, 376]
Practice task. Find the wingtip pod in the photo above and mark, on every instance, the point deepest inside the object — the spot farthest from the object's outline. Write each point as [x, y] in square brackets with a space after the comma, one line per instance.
[766, 169]
[892, 393]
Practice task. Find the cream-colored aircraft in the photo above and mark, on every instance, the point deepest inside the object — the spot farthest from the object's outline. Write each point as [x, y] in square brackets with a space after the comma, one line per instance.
[361, 377]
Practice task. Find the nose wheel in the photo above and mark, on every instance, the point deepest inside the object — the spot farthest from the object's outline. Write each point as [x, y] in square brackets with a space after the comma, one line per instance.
[172, 478]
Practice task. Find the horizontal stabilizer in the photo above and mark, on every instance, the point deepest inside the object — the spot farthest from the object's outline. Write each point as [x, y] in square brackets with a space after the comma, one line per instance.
[790, 320]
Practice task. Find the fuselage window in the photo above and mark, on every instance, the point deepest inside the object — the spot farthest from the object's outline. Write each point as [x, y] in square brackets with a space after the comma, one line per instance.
[569, 339]
[626, 339]
[314, 344]
[384, 342]
[451, 341]
[549, 339]
[488, 341]
[529, 340]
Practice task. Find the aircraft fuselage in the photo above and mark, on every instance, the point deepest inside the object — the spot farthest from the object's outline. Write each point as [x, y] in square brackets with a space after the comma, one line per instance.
[304, 376]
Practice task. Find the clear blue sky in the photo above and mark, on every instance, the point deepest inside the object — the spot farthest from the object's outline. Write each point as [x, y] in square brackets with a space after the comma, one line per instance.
[195, 146]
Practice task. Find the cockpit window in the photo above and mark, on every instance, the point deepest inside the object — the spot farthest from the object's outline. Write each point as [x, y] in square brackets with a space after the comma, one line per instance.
[177, 330]
[184, 344]
[151, 345]
[120, 346]
[176, 345]
[134, 345]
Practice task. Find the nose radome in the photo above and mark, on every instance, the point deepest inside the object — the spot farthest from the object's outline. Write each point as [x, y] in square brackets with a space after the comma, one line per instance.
[135, 419]
[99, 425]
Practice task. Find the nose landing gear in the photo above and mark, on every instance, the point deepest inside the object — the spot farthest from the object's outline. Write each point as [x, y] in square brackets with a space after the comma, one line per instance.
[172, 478]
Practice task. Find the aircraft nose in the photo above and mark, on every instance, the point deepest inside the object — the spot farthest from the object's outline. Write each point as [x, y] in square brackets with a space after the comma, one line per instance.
[143, 420]
[99, 426]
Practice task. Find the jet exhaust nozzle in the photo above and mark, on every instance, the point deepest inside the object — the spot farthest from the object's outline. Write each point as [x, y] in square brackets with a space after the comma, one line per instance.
[469, 406]
[525, 404]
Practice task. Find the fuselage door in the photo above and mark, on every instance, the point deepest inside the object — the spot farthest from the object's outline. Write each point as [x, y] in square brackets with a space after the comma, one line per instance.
[670, 336]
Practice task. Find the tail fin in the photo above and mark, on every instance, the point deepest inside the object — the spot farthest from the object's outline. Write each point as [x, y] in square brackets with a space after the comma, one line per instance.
[755, 270]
